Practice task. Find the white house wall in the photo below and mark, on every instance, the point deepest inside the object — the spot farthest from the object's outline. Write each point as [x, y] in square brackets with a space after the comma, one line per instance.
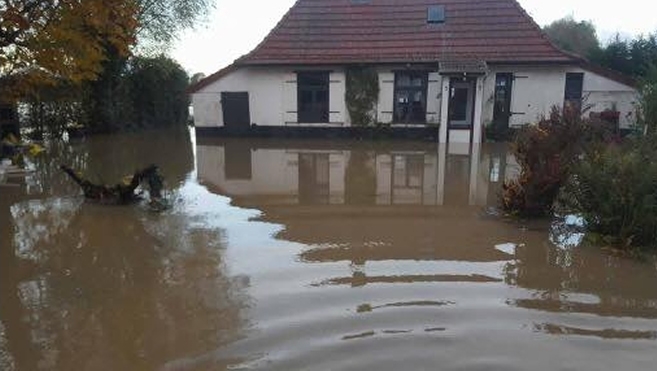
[602, 93]
[265, 88]
[536, 90]
[273, 95]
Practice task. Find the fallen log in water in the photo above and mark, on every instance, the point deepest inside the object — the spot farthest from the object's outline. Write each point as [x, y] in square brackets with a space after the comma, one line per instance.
[120, 194]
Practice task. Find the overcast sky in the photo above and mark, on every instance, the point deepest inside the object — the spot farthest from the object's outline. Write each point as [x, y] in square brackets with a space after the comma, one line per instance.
[235, 27]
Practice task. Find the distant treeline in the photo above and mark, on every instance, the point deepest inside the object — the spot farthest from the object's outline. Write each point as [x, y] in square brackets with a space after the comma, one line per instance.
[633, 57]
[142, 92]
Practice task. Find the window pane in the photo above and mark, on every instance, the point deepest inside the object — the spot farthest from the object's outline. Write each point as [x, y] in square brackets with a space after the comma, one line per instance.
[403, 79]
[436, 14]
[573, 94]
[458, 104]
[574, 85]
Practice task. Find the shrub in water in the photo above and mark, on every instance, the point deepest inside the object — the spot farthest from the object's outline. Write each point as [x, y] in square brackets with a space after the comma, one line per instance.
[615, 190]
[546, 152]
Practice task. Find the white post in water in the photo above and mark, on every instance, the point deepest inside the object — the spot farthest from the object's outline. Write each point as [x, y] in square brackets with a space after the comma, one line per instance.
[442, 164]
[478, 106]
[444, 110]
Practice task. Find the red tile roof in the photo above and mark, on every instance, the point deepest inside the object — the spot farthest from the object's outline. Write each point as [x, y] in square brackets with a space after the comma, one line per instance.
[389, 31]
[397, 31]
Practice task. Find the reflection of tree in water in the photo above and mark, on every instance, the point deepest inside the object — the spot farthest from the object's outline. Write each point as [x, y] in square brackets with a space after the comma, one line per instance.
[360, 178]
[6, 362]
[47, 178]
[110, 295]
[113, 288]
[107, 159]
[112, 157]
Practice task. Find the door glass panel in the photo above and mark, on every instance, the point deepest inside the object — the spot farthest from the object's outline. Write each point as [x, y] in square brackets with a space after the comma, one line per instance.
[402, 97]
[403, 80]
[458, 104]
[502, 102]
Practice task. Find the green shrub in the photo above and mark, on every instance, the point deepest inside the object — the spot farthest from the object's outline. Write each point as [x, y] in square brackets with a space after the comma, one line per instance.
[647, 107]
[615, 190]
[546, 153]
[362, 94]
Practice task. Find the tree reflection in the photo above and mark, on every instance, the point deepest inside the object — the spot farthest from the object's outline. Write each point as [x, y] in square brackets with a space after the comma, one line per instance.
[110, 295]
[16, 333]
[360, 178]
[113, 288]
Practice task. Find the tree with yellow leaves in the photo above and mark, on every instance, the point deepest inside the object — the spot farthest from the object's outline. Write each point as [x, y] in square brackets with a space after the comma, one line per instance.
[47, 41]
[72, 56]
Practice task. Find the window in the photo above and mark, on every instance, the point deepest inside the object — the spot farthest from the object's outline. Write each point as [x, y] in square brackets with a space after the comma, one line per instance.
[573, 95]
[411, 97]
[436, 14]
[313, 97]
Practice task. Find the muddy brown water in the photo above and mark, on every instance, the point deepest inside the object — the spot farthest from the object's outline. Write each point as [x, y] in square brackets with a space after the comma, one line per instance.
[305, 255]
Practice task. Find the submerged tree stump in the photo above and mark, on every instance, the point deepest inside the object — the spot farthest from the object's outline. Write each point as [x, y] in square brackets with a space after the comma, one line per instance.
[120, 194]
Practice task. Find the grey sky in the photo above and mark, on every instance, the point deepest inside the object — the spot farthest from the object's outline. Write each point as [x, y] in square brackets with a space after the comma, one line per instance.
[237, 26]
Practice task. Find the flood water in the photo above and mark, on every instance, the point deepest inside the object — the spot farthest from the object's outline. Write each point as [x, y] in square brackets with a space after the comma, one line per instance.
[305, 255]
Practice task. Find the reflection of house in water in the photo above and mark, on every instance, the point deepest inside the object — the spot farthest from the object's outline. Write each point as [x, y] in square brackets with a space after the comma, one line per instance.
[383, 174]
[362, 203]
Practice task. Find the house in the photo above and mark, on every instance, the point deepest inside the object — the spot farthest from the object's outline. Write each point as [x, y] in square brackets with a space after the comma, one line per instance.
[448, 67]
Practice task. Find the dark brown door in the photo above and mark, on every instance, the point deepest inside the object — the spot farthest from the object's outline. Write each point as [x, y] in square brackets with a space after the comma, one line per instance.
[236, 110]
